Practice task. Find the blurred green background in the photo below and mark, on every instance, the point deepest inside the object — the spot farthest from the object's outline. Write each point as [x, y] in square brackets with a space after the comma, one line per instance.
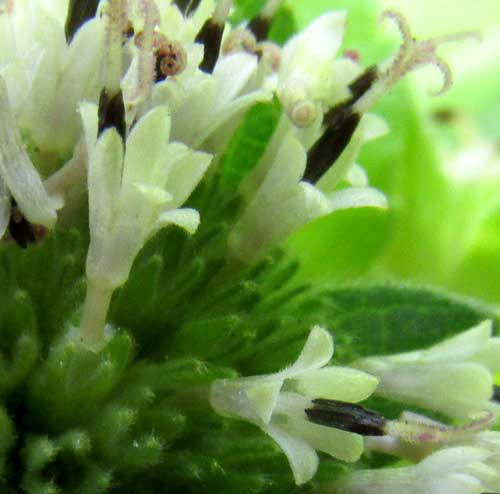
[439, 166]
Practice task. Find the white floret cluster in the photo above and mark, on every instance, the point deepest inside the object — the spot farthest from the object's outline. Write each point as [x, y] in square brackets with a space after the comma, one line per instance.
[132, 105]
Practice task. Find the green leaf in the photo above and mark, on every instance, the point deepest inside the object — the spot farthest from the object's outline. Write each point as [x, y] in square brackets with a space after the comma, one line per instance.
[249, 143]
[479, 270]
[283, 26]
[383, 319]
[246, 9]
[340, 246]
[406, 166]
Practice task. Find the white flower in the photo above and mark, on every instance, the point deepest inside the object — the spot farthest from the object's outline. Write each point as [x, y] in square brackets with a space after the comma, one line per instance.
[414, 436]
[428, 436]
[490, 440]
[276, 403]
[202, 103]
[46, 77]
[454, 377]
[175, 25]
[454, 470]
[311, 78]
[280, 202]
[18, 177]
[132, 195]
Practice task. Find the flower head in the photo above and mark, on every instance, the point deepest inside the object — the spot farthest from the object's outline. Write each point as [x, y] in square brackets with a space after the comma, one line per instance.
[311, 78]
[47, 77]
[201, 104]
[281, 201]
[454, 377]
[134, 190]
[277, 403]
[459, 470]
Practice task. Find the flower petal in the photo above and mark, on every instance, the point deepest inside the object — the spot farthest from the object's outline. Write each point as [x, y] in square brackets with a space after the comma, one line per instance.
[252, 398]
[81, 69]
[336, 383]
[189, 219]
[317, 45]
[147, 148]
[357, 176]
[90, 122]
[186, 173]
[357, 197]
[230, 110]
[461, 346]
[231, 75]
[301, 456]
[18, 173]
[457, 389]
[155, 196]
[316, 353]
[373, 126]
[450, 459]
[104, 183]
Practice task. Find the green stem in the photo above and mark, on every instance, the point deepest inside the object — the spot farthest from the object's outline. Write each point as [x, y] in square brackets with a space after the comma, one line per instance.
[97, 300]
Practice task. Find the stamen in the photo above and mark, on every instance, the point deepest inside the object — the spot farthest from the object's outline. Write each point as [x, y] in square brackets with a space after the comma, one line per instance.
[363, 83]
[128, 32]
[140, 81]
[342, 123]
[187, 7]
[21, 231]
[112, 113]
[171, 60]
[170, 56]
[413, 430]
[412, 54]
[347, 417]
[240, 40]
[342, 120]
[211, 37]
[117, 24]
[20, 228]
[259, 26]
[496, 394]
[146, 56]
[211, 33]
[271, 54]
[243, 40]
[79, 11]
